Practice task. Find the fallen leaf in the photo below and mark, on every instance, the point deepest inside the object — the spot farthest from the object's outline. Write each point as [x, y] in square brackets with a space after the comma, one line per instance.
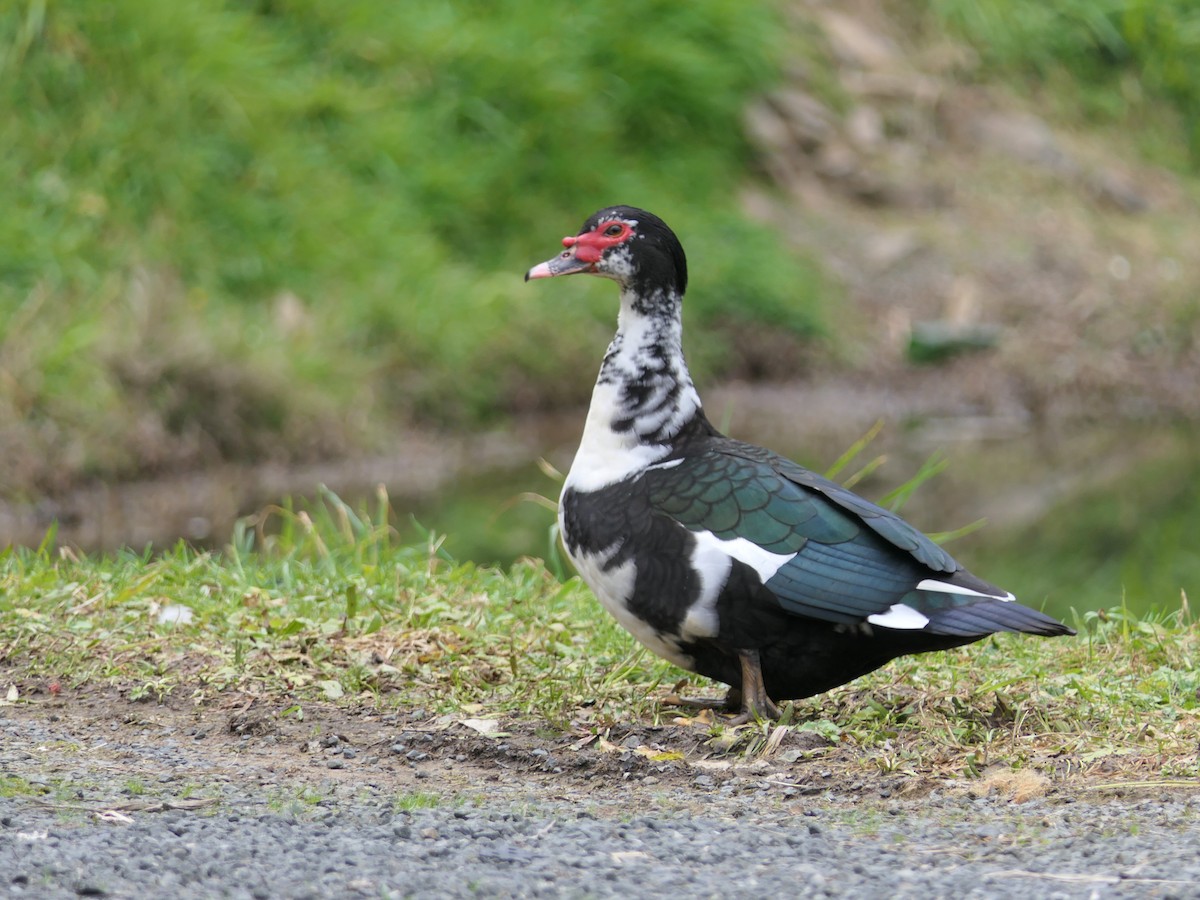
[483, 726]
[332, 689]
[658, 755]
[584, 741]
[773, 742]
[175, 614]
[706, 718]
[1019, 786]
[623, 856]
[113, 817]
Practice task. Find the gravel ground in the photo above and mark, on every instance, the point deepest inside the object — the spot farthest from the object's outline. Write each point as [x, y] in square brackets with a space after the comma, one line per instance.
[120, 801]
[953, 848]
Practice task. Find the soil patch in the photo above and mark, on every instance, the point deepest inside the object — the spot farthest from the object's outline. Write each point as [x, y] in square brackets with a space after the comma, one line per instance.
[99, 743]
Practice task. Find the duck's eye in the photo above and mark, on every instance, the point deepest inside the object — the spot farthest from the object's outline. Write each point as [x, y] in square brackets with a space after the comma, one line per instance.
[613, 230]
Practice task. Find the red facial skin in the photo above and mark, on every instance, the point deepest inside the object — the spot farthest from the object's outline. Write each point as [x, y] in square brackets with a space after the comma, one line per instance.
[590, 246]
[584, 251]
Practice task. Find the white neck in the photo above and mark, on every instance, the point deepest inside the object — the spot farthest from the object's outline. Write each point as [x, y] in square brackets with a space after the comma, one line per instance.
[643, 395]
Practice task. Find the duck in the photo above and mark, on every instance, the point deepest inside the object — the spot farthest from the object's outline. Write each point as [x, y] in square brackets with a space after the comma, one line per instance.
[722, 557]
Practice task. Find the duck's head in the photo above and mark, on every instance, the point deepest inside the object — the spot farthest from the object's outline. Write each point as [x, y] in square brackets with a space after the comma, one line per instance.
[634, 248]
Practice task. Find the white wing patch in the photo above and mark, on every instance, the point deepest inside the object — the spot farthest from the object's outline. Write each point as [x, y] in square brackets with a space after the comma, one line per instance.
[712, 565]
[668, 464]
[932, 584]
[900, 615]
[764, 562]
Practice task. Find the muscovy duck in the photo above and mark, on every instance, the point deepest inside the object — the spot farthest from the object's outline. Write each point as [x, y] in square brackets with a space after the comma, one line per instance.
[723, 557]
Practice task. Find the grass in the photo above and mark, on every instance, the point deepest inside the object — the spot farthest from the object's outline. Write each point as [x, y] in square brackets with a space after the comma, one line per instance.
[319, 604]
[16, 786]
[417, 800]
[1126, 689]
[323, 605]
[233, 226]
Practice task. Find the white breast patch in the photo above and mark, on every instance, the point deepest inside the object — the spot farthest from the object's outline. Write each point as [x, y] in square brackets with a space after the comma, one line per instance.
[613, 587]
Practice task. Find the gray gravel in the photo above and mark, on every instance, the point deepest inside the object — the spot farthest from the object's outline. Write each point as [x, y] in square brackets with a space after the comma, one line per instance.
[86, 810]
[952, 847]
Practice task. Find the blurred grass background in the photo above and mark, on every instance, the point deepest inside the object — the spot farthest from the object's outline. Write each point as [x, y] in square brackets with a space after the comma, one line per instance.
[247, 230]
[231, 226]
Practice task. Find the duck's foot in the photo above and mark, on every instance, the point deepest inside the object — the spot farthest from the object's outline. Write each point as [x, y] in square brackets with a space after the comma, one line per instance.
[750, 701]
[755, 702]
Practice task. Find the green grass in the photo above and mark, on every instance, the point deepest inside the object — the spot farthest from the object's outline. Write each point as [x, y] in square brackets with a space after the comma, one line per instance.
[324, 606]
[231, 226]
[16, 786]
[417, 800]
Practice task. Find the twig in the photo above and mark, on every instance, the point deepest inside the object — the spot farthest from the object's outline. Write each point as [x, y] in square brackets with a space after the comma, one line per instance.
[132, 805]
[1130, 785]
[1083, 879]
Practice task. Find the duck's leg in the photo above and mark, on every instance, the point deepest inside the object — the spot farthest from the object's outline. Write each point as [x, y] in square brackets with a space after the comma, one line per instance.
[755, 702]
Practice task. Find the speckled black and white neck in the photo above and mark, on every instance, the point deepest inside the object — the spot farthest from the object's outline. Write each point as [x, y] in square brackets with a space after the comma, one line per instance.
[643, 396]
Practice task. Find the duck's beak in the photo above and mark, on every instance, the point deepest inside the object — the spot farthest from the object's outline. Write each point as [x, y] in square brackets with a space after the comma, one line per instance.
[566, 263]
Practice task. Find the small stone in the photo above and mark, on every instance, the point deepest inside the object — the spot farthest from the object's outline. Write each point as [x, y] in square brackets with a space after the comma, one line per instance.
[864, 127]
